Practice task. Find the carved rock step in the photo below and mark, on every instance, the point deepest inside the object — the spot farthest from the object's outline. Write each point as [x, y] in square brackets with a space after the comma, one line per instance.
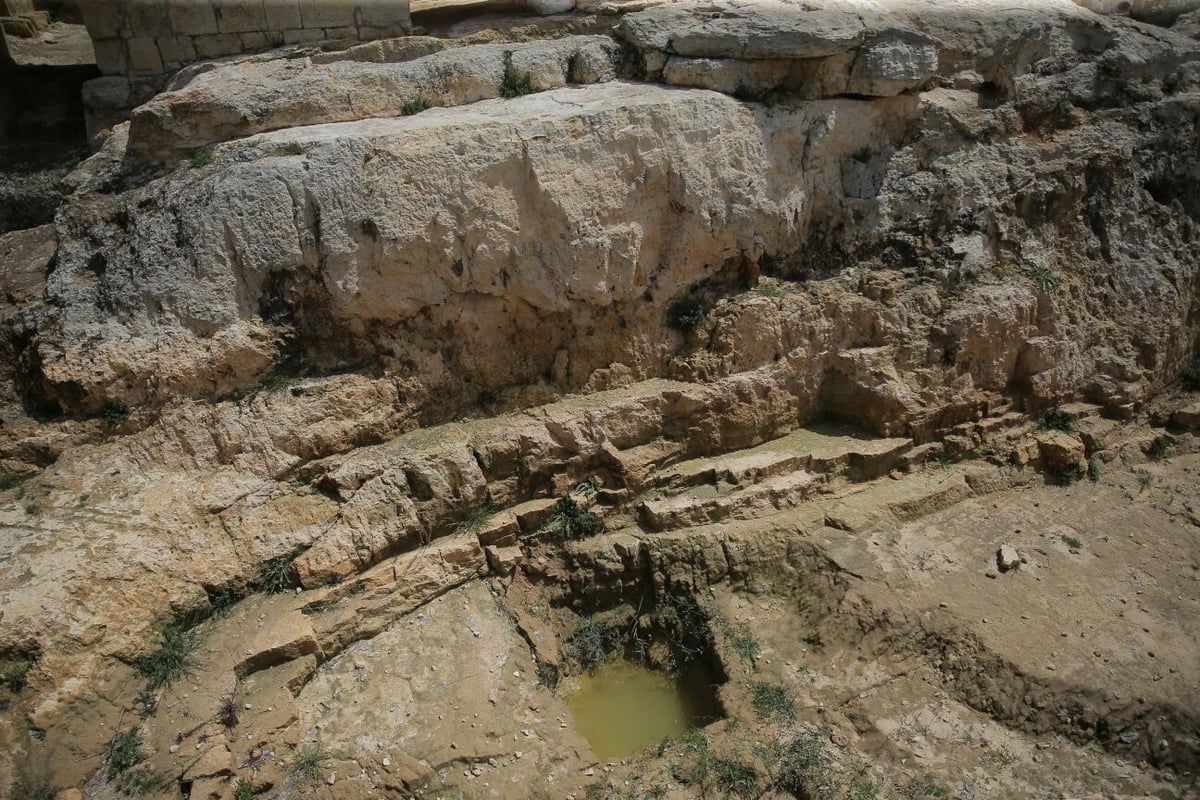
[823, 449]
[756, 500]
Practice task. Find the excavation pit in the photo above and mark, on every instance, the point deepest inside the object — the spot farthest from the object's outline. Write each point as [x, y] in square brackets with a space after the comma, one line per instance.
[622, 707]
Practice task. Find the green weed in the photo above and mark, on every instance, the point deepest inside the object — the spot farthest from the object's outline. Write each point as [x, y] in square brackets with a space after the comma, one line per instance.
[1056, 420]
[1072, 541]
[277, 574]
[1045, 279]
[803, 767]
[244, 790]
[772, 702]
[1160, 447]
[593, 643]
[514, 85]
[113, 411]
[306, 764]
[476, 518]
[1145, 479]
[124, 753]
[571, 521]
[176, 654]
[1093, 470]
[742, 640]
[414, 106]
[11, 480]
[202, 157]
[287, 149]
[685, 314]
[770, 291]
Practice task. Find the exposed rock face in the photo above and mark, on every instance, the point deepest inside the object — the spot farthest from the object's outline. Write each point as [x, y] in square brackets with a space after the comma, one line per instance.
[932, 221]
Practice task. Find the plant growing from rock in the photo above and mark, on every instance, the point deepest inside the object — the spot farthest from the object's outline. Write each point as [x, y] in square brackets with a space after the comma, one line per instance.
[277, 574]
[1159, 447]
[122, 760]
[803, 768]
[1056, 420]
[414, 106]
[685, 314]
[572, 521]
[593, 643]
[176, 654]
[244, 790]
[306, 763]
[476, 518]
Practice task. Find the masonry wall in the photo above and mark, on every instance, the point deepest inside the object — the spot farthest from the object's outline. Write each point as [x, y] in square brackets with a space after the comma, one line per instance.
[152, 37]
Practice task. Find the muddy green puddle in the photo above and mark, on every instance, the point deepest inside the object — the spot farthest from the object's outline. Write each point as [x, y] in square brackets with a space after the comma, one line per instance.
[623, 707]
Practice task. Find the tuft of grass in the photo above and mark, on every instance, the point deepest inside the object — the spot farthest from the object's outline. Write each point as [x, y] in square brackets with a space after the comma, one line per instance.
[770, 291]
[685, 314]
[804, 769]
[514, 85]
[735, 779]
[572, 521]
[1072, 541]
[222, 599]
[1145, 479]
[274, 383]
[767, 95]
[742, 641]
[476, 518]
[244, 790]
[414, 106]
[1093, 470]
[1160, 447]
[36, 791]
[1056, 420]
[176, 654]
[306, 763]
[202, 157]
[772, 702]
[287, 149]
[124, 753]
[277, 574]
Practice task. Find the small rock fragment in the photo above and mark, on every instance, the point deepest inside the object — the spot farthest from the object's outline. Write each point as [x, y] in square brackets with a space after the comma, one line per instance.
[1007, 558]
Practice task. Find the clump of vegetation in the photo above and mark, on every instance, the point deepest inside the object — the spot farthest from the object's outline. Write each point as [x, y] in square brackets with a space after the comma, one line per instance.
[1045, 279]
[770, 291]
[414, 106]
[17, 676]
[1093, 469]
[572, 521]
[767, 95]
[1072, 542]
[1056, 420]
[514, 85]
[1145, 479]
[1158, 448]
[476, 518]
[701, 767]
[487, 398]
[202, 157]
[862, 789]
[287, 149]
[113, 411]
[227, 712]
[1190, 378]
[277, 574]
[804, 769]
[35, 791]
[306, 763]
[122, 762]
[222, 599]
[593, 643]
[176, 654]
[685, 314]
[11, 480]
[244, 790]
[742, 640]
[685, 625]
[772, 702]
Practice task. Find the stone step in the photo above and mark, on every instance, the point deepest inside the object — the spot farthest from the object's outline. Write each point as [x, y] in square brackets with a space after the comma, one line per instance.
[821, 449]
[754, 500]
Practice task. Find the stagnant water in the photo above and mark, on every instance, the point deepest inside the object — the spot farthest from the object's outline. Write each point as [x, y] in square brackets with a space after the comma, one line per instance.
[623, 707]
